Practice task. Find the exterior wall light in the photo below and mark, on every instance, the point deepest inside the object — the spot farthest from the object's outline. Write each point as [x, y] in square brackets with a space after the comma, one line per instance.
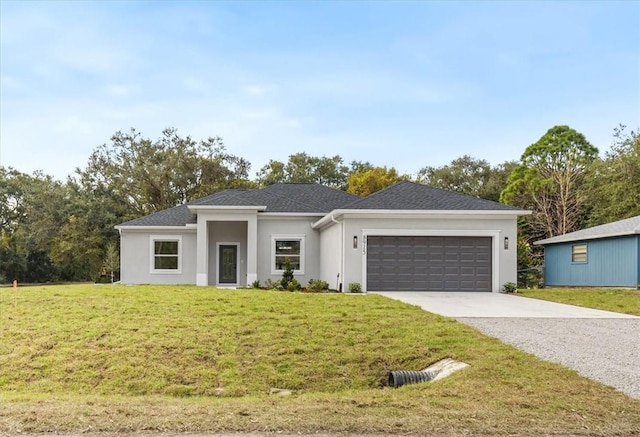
[355, 241]
[506, 243]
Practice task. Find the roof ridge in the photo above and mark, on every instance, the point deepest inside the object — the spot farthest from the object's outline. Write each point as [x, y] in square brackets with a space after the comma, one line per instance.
[314, 206]
[432, 198]
[230, 192]
[362, 199]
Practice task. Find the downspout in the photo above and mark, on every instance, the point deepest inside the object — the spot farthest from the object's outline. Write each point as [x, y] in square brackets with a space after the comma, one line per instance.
[341, 263]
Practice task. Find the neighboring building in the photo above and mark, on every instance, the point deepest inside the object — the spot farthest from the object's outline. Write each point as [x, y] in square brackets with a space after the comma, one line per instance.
[406, 237]
[602, 256]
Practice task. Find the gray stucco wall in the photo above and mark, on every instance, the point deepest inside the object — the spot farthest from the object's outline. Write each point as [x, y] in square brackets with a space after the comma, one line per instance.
[496, 227]
[331, 255]
[270, 226]
[135, 258]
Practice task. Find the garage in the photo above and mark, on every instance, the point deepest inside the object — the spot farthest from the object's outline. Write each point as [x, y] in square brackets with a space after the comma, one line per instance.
[428, 263]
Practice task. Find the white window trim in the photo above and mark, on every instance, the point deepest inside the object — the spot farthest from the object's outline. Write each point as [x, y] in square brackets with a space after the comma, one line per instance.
[275, 237]
[152, 254]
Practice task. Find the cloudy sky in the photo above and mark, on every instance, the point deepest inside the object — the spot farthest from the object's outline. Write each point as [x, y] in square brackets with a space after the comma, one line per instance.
[404, 84]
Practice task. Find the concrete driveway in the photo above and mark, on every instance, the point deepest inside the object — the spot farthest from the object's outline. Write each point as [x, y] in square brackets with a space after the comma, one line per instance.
[601, 345]
[490, 305]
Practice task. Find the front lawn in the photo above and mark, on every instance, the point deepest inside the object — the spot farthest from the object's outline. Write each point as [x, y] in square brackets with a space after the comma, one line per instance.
[87, 358]
[619, 300]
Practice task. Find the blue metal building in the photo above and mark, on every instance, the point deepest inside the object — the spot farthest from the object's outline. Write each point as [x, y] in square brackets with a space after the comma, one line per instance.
[602, 256]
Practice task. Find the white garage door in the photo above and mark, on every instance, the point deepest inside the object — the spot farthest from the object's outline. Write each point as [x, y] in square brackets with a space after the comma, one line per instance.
[421, 263]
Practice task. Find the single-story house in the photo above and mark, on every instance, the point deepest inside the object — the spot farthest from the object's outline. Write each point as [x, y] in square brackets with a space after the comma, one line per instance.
[406, 237]
[601, 256]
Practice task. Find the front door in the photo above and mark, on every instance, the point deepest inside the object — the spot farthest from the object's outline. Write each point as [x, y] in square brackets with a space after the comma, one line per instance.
[228, 264]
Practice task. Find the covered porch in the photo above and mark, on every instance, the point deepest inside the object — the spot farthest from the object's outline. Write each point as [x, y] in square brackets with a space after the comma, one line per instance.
[227, 253]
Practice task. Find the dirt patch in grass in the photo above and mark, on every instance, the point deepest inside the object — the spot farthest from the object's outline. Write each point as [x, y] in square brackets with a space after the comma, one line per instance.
[620, 300]
[190, 359]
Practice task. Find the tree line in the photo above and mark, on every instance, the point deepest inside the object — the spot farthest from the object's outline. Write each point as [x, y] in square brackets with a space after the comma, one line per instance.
[53, 230]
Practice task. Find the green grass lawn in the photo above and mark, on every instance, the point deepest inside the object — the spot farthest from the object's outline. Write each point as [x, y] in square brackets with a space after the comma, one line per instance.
[87, 358]
[619, 300]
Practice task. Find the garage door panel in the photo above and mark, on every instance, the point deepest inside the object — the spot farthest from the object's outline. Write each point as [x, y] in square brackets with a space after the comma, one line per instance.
[436, 270]
[428, 263]
[468, 271]
[436, 257]
[482, 257]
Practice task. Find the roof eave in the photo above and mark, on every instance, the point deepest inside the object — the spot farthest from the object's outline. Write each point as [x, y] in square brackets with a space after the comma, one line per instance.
[195, 208]
[188, 226]
[339, 213]
[560, 239]
[292, 214]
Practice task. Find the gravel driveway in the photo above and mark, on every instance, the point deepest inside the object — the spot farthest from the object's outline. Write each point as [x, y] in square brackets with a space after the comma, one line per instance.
[606, 350]
[600, 345]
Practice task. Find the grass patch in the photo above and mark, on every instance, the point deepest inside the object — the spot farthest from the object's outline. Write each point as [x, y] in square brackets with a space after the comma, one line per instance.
[619, 300]
[195, 359]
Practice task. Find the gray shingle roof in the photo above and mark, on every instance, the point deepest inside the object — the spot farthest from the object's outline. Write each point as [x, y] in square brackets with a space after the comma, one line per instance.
[319, 199]
[630, 226]
[291, 198]
[176, 216]
[412, 196]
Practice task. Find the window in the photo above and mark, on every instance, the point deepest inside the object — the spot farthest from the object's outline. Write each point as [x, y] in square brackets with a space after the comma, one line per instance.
[579, 253]
[289, 247]
[166, 254]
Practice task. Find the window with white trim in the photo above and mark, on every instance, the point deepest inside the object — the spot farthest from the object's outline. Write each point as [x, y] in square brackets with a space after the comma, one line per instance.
[579, 253]
[287, 247]
[166, 254]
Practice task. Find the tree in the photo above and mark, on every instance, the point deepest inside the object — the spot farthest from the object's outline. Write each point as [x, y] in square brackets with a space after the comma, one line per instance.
[147, 176]
[112, 260]
[360, 166]
[613, 183]
[32, 210]
[303, 168]
[368, 181]
[53, 230]
[468, 175]
[272, 173]
[549, 181]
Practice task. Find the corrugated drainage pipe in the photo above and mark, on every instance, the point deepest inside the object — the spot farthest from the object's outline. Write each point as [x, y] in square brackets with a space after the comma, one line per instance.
[402, 377]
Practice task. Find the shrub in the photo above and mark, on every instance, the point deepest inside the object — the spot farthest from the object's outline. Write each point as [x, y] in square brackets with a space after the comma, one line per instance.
[510, 287]
[287, 274]
[255, 284]
[271, 285]
[354, 287]
[317, 285]
[293, 285]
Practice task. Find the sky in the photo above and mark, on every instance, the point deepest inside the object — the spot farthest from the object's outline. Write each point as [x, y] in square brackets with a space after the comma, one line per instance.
[398, 84]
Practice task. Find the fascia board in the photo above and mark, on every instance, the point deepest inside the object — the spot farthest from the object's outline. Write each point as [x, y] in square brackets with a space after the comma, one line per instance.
[413, 213]
[188, 228]
[560, 239]
[291, 214]
[225, 208]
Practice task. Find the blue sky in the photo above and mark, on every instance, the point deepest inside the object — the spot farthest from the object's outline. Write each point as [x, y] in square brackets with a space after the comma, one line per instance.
[403, 84]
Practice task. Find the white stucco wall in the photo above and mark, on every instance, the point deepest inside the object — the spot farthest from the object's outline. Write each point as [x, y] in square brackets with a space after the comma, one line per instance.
[280, 225]
[498, 227]
[135, 258]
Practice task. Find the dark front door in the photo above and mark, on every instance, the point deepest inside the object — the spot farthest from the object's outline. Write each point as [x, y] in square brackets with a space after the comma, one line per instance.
[228, 267]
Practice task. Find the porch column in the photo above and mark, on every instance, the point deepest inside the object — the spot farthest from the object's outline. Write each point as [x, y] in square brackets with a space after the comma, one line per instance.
[202, 255]
[252, 249]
